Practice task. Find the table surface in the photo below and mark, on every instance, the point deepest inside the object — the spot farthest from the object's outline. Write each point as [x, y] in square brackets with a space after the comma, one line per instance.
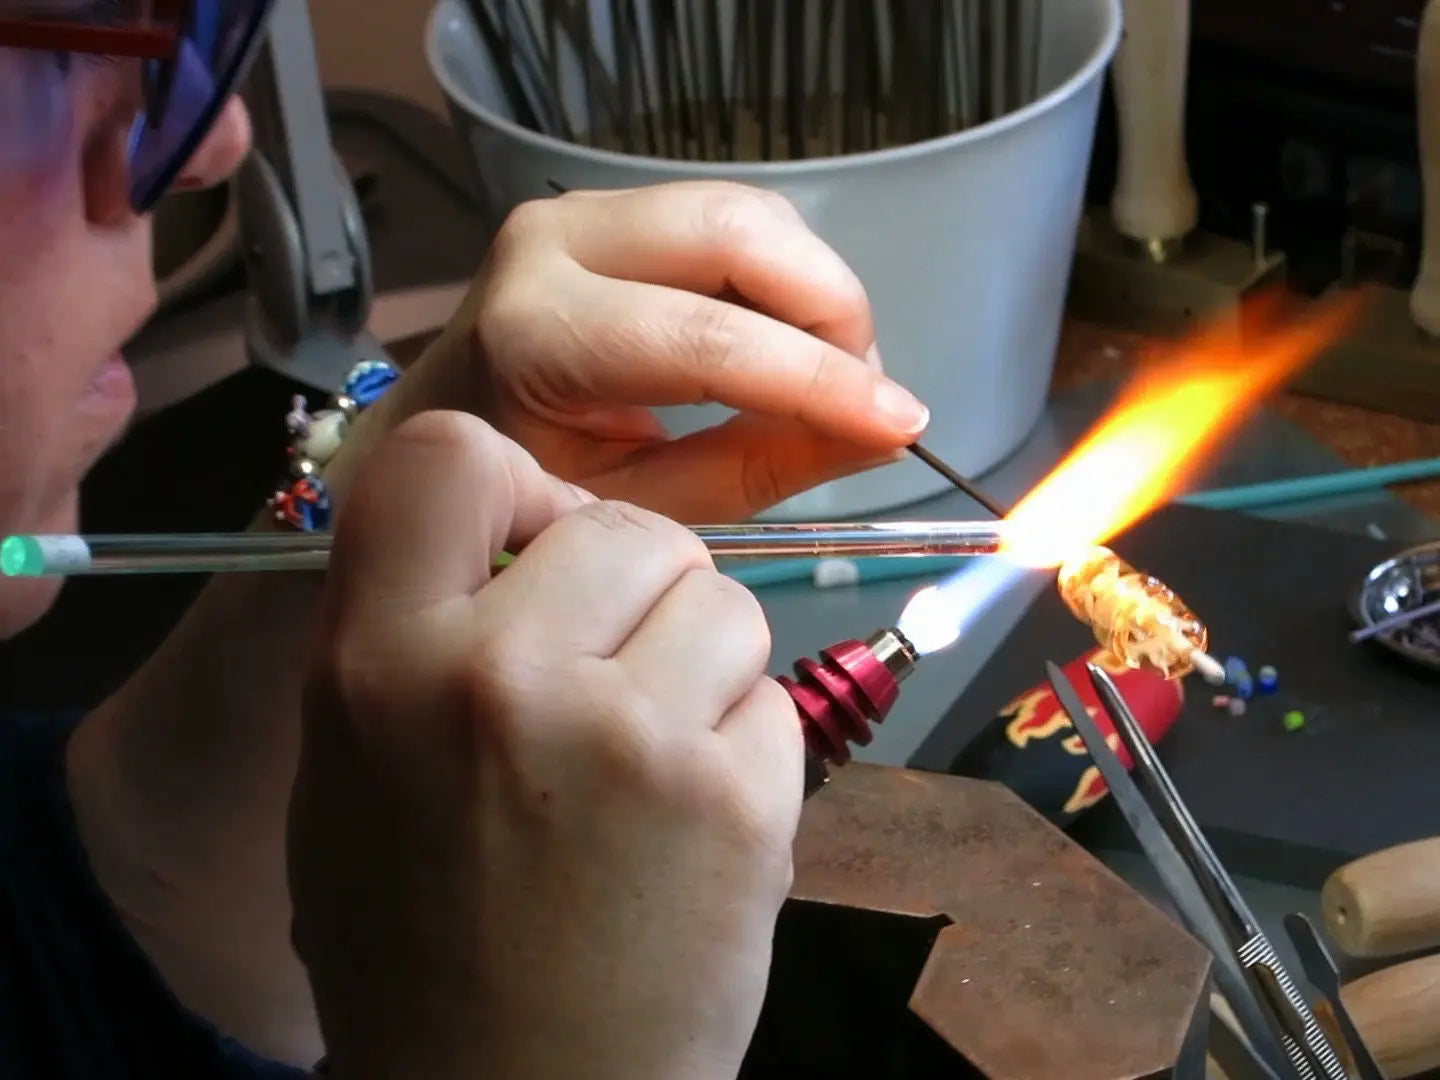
[1281, 443]
[1294, 436]
[1272, 447]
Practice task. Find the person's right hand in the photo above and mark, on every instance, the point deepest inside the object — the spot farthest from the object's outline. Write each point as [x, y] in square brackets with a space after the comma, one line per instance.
[542, 825]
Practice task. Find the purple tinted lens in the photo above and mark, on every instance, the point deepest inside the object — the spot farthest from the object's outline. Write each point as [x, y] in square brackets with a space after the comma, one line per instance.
[220, 40]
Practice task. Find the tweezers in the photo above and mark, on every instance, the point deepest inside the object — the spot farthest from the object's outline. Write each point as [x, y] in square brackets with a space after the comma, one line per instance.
[1283, 1032]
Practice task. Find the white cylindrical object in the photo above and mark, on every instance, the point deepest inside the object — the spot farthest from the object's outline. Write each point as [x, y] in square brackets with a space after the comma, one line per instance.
[964, 243]
[1154, 199]
[1425, 295]
[835, 573]
[1211, 670]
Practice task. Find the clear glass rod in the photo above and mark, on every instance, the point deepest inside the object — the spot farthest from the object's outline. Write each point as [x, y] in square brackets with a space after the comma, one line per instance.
[68, 554]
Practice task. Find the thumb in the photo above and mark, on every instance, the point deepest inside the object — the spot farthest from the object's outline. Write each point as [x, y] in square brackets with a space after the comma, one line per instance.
[431, 510]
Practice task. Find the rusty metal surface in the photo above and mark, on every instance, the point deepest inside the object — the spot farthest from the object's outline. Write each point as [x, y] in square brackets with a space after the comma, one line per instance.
[1051, 965]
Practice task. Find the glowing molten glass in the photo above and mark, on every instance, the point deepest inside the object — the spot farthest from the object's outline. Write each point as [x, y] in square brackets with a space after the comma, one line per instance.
[1140, 454]
[1135, 616]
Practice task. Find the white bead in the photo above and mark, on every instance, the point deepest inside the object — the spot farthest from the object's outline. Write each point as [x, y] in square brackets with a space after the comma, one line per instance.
[836, 573]
[327, 432]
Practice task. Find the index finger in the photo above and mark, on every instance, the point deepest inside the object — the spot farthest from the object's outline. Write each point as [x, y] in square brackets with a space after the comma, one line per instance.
[653, 345]
[714, 237]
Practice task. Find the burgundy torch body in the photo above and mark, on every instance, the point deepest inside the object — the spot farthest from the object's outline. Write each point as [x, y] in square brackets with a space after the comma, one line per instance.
[852, 685]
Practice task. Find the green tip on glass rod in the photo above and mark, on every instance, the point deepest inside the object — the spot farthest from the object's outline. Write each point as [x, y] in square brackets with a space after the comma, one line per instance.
[20, 556]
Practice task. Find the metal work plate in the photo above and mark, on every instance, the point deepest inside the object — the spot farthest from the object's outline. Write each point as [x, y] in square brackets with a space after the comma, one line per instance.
[1115, 284]
[1045, 963]
[1403, 583]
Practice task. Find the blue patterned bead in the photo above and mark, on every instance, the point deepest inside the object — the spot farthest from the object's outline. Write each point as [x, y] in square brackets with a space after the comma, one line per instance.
[368, 380]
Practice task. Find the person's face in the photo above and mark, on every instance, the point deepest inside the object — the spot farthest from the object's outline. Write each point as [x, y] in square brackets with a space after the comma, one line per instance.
[75, 283]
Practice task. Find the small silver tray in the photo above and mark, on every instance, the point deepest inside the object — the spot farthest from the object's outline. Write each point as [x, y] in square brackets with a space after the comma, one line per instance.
[1402, 583]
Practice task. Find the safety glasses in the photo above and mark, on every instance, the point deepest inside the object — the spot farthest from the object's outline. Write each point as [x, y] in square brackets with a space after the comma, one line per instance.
[193, 55]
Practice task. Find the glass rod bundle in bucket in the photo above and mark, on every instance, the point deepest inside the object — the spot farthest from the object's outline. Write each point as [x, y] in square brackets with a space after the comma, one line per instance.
[760, 80]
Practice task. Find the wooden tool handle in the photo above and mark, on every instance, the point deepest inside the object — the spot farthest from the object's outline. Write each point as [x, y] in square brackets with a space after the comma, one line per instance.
[1396, 1010]
[1386, 903]
[1425, 296]
[1154, 198]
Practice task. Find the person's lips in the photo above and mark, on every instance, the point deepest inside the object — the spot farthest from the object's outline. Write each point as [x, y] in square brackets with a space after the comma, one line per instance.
[112, 388]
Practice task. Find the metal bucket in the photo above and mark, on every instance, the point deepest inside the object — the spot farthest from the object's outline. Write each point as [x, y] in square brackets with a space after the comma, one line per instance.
[963, 242]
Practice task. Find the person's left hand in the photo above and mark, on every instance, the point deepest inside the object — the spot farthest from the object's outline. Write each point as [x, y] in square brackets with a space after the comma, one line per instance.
[593, 307]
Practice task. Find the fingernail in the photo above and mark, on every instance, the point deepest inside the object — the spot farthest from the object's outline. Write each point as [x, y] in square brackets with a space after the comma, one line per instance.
[872, 358]
[901, 408]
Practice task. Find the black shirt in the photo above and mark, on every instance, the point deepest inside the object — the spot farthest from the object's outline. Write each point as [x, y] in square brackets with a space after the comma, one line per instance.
[78, 997]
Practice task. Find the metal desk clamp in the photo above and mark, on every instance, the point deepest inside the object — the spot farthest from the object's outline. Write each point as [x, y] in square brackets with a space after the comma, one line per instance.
[306, 253]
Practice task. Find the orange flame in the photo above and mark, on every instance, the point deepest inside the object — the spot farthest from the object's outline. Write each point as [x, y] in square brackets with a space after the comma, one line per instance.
[1158, 433]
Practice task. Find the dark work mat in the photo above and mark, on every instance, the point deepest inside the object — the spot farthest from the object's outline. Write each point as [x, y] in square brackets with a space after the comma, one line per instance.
[1363, 774]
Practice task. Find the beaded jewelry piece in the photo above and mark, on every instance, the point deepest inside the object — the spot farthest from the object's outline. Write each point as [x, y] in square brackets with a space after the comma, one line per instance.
[303, 502]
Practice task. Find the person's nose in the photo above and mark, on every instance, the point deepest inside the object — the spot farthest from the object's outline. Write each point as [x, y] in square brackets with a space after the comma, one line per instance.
[222, 151]
[105, 161]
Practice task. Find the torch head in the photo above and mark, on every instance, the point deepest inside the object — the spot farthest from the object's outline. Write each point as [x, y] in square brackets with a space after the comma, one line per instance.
[851, 686]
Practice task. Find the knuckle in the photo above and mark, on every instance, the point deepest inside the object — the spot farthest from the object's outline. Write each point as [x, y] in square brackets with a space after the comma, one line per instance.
[849, 294]
[722, 609]
[613, 516]
[346, 676]
[511, 310]
[483, 685]
[451, 433]
[740, 613]
[664, 535]
[714, 334]
[781, 207]
[824, 365]
[456, 447]
[510, 294]
[490, 691]
[775, 701]
[521, 227]
[623, 747]
[504, 330]
[762, 483]
[736, 213]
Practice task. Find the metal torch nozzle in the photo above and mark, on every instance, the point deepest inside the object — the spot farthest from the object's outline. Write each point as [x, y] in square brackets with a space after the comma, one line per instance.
[853, 685]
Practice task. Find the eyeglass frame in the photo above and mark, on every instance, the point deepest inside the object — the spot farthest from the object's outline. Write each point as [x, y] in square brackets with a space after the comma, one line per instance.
[157, 39]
